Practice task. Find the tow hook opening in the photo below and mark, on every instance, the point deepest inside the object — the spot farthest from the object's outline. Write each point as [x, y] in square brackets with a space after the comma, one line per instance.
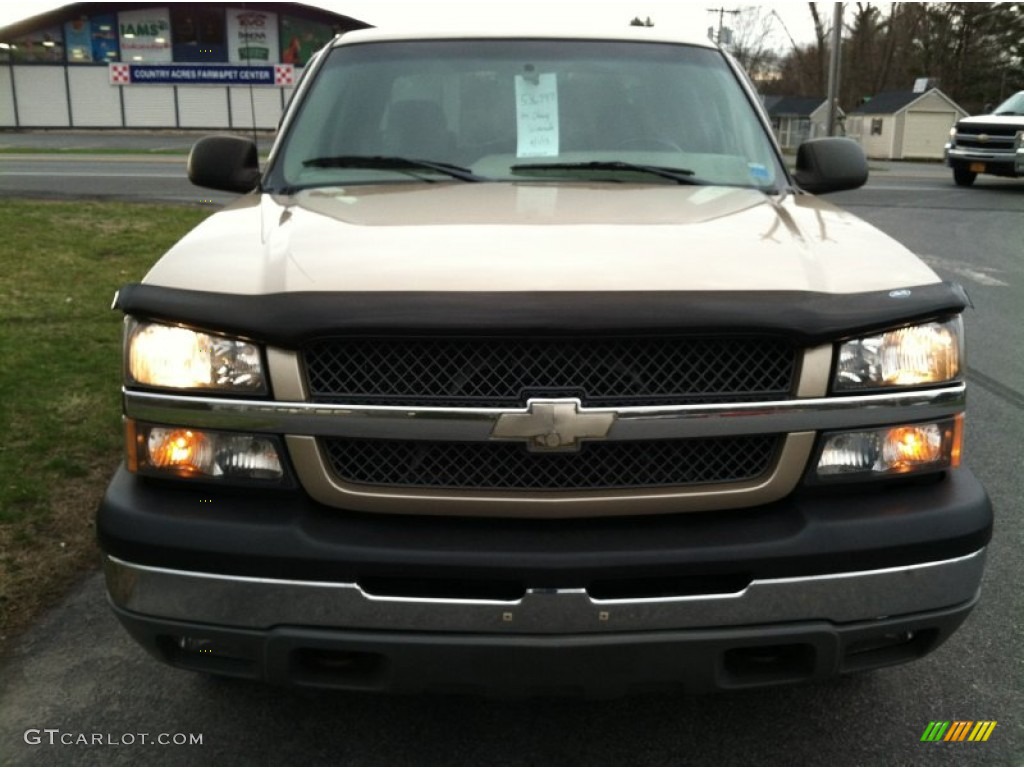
[337, 668]
[768, 664]
[882, 650]
[206, 654]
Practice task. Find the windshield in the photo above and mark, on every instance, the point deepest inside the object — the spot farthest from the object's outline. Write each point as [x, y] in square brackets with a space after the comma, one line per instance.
[525, 110]
[1012, 106]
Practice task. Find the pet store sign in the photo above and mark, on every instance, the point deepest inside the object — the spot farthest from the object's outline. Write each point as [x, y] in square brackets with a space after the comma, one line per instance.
[145, 35]
[280, 75]
[252, 36]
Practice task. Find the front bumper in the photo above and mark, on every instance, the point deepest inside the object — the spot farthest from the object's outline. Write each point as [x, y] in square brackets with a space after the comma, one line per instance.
[996, 163]
[254, 603]
[615, 663]
[278, 587]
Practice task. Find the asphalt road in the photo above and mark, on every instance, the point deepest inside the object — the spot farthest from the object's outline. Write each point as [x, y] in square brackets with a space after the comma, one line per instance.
[78, 672]
[114, 177]
[90, 168]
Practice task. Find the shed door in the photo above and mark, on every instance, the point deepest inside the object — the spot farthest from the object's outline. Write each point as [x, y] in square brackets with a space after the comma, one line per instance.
[925, 133]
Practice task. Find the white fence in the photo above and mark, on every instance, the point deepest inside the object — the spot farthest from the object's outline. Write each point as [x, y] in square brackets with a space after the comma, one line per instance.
[79, 96]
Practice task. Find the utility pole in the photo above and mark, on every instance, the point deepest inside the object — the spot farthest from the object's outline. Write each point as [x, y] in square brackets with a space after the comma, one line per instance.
[833, 68]
[721, 20]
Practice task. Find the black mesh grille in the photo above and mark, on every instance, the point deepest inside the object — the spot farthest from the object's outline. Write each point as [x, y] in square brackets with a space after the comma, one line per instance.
[1000, 137]
[597, 465]
[496, 372]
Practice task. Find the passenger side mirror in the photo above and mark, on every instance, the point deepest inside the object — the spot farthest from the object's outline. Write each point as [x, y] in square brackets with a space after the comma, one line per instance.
[830, 165]
[228, 163]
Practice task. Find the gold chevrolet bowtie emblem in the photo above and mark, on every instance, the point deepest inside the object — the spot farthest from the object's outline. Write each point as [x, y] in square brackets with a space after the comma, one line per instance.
[553, 425]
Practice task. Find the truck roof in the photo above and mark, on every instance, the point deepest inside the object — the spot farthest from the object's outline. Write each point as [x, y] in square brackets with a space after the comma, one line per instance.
[623, 33]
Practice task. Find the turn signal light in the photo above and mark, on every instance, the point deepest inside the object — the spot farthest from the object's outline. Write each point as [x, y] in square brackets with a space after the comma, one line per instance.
[202, 454]
[895, 450]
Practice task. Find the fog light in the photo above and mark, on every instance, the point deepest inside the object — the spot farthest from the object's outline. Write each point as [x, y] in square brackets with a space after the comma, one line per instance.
[202, 454]
[897, 450]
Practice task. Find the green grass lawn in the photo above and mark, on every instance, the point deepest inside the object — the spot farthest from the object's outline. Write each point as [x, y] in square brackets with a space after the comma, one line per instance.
[60, 358]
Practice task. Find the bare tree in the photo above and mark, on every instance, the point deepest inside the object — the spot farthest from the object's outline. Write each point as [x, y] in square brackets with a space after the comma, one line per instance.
[820, 51]
[753, 42]
[975, 51]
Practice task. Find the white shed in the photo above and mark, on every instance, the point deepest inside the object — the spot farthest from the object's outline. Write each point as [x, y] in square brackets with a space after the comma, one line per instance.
[900, 125]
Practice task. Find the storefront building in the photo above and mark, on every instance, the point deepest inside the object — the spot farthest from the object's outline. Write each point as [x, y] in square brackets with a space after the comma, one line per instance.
[151, 65]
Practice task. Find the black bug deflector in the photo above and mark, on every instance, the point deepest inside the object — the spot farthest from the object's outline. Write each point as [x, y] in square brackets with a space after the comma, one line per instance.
[289, 319]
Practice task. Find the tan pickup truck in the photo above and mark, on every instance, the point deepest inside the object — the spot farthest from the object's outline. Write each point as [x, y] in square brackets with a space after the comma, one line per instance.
[525, 366]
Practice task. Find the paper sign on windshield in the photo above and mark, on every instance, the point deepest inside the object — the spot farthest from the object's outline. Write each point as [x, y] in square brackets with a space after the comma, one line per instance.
[537, 116]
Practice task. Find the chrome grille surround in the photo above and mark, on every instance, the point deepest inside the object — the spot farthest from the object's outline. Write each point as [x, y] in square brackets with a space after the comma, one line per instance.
[306, 426]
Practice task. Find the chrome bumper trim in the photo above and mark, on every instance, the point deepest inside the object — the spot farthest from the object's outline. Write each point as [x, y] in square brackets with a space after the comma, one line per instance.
[477, 424]
[247, 602]
[981, 155]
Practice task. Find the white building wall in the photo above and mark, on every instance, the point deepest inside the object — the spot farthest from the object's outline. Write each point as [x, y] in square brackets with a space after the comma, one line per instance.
[203, 107]
[899, 127]
[42, 96]
[287, 93]
[95, 103]
[267, 102]
[6, 100]
[39, 96]
[878, 146]
[855, 128]
[149, 106]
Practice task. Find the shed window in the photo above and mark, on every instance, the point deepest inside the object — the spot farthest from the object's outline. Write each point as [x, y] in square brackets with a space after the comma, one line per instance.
[876, 126]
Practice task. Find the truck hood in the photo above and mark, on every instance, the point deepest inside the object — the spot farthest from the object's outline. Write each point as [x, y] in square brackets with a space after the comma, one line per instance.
[1001, 120]
[535, 237]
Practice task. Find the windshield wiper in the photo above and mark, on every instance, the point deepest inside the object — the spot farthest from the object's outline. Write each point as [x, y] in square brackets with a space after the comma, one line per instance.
[390, 163]
[678, 175]
[1004, 114]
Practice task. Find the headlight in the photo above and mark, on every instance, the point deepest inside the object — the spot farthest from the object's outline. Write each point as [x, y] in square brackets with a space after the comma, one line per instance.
[202, 454]
[868, 454]
[931, 353]
[179, 358]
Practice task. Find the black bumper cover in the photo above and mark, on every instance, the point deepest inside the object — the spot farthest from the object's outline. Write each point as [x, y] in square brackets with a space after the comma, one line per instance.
[692, 661]
[285, 535]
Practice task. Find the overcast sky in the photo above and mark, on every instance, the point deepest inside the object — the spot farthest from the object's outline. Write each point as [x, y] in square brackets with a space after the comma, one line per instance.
[683, 16]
